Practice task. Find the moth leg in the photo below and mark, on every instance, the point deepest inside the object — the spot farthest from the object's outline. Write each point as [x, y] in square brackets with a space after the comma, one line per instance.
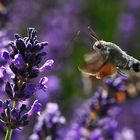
[122, 73]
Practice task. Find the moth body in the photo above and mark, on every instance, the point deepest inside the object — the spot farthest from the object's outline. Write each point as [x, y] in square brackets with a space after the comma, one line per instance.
[106, 59]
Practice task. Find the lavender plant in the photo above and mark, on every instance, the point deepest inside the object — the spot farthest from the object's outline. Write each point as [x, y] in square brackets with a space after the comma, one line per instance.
[49, 123]
[99, 122]
[24, 59]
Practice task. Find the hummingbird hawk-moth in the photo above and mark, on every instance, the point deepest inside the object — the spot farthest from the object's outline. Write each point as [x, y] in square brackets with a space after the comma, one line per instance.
[107, 59]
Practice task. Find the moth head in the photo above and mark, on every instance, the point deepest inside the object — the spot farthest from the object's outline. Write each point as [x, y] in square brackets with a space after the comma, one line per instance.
[101, 46]
[98, 46]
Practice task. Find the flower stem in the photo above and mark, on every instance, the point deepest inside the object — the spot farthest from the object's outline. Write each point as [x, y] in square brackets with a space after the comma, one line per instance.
[8, 134]
[15, 104]
[9, 130]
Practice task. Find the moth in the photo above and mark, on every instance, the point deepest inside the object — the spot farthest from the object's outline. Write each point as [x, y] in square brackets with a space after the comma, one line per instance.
[107, 59]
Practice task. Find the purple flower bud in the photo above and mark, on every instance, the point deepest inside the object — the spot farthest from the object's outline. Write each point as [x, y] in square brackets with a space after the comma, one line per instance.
[14, 114]
[47, 66]
[6, 55]
[18, 61]
[43, 83]
[35, 109]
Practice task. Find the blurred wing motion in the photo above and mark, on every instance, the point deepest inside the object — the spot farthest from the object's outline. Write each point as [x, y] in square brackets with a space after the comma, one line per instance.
[97, 66]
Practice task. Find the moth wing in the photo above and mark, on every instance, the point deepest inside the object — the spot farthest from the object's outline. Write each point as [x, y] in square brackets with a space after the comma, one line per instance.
[94, 62]
[92, 57]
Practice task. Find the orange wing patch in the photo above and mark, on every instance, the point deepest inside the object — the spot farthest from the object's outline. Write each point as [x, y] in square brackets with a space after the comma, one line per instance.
[106, 70]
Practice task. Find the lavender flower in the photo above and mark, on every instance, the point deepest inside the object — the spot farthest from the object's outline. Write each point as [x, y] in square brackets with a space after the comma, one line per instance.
[49, 123]
[25, 58]
[15, 118]
[128, 25]
[99, 121]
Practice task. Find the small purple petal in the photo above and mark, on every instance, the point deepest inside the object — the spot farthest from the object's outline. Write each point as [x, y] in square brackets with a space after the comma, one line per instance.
[2, 72]
[35, 109]
[6, 55]
[18, 61]
[43, 83]
[47, 66]
[1, 107]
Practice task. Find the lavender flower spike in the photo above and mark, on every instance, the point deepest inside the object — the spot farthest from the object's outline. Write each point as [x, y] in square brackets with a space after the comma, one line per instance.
[35, 109]
[47, 66]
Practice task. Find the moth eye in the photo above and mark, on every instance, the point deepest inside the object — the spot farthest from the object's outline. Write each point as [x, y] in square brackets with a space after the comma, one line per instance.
[99, 46]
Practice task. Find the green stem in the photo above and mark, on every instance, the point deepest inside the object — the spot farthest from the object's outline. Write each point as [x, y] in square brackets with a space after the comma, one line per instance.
[8, 134]
[15, 104]
[9, 130]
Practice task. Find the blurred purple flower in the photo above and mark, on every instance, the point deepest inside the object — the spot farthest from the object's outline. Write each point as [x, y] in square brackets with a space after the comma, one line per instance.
[75, 132]
[126, 134]
[51, 88]
[116, 83]
[134, 4]
[96, 135]
[4, 39]
[62, 22]
[53, 84]
[99, 120]
[49, 123]
[21, 10]
[127, 24]
[4, 12]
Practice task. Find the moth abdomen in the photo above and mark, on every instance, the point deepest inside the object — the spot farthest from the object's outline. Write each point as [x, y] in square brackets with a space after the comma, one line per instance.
[136, 66]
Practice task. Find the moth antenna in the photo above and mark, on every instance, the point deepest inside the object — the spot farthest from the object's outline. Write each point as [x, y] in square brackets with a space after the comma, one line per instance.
[93, 34]
[93, 37]
[72, 40]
